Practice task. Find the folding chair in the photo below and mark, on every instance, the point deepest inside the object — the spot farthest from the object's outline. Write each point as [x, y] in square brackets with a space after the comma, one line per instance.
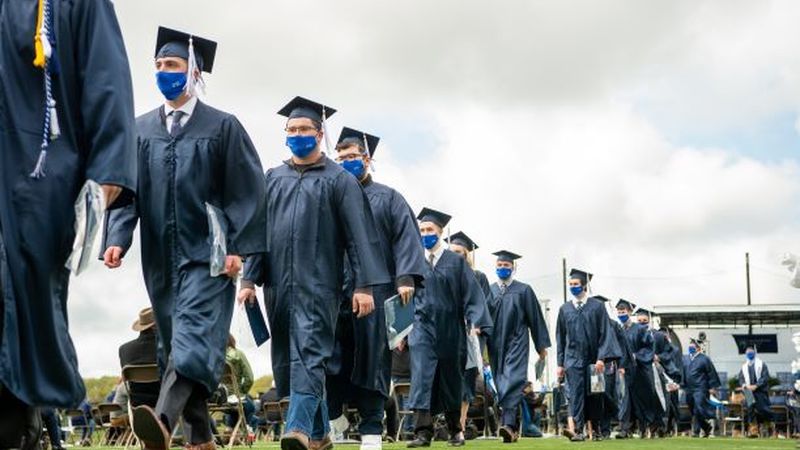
[272, 409]
[77, 430]
[735, 416]
[402, 390]
[104, 411]
[239, 430]
[138, 373]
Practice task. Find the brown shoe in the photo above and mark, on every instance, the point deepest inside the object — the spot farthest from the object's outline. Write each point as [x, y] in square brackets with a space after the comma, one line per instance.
[752, 431]
[508, 435]
[322, 444]
[295, 440]
[204, 446]
[149, 429]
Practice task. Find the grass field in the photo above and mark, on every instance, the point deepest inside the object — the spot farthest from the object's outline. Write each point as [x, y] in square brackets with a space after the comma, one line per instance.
[560, 443]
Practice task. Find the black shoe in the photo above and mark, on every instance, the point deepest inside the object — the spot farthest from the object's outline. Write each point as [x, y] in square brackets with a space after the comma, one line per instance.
[149, 429]
[579, 437]
[423, 439]
[597, 437]
[623, 435]
[507, 434]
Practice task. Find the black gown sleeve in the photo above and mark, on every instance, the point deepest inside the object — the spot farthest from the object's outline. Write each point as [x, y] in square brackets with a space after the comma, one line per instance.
[244, 192]
[120, 224]
[106, 99]
[535, 320]
[561, 338]
[363, 249]
[409, 259]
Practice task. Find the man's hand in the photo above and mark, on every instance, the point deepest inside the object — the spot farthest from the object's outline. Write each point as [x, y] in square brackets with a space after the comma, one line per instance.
[474, 331]
[752, 387]
[543, 354]
[406, 293]
[246, 294]
[560, 372]
[656, 358]
[621, 371]
[712, 392]
[111, 192]
[113, 257]
[599, 366]
[363, 303]
[233, 265]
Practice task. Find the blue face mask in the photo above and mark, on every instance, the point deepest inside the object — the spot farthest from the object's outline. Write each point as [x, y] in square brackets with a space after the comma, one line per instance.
[751, 355]
[356, 167]
[692, 350]
[623, 318]
[576, 290]
[301, 146]
[171, 84]
[429, 241]
[503, 272]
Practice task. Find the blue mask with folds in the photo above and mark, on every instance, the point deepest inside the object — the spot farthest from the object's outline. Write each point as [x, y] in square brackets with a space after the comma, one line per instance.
[301, 146]
[751, 355]
[429, 241]
[503, 272]
[623, 318]
[171, 84]
[355, 166]
[576, 290]
[692, 350]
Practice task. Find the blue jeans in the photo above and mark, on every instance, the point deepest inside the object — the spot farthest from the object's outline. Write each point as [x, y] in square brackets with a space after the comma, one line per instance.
[308, 415]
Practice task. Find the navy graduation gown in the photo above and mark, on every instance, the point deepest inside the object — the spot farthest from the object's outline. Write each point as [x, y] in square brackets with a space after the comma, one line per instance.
[94, 103]
[517, 317]
[315, 214]
[646, 405]
[761, 394]
[361, 352]
[211, 160]
[582, 338]
[450, 299]
[699, 376]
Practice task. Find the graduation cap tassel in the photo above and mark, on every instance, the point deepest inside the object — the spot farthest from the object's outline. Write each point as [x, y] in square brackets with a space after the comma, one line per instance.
[193, 82]
[325, 130]
[44, 44]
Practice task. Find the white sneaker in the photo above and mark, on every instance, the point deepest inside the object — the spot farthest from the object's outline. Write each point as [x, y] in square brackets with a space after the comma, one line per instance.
[338, 427]
[371, 442]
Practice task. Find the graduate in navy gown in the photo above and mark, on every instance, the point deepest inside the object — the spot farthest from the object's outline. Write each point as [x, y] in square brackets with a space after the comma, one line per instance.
[754, 377]
[79, 69]
[450, 304]
[584, 339]
[614, 372]
[636, 337]
[316, 213]
[649, 409]
[359, 373]
[190, 155]
[463, 245]
[517, 317]
[700, 381]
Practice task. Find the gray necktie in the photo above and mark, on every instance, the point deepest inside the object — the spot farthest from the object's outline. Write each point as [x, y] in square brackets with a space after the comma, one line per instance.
[579, 305]
[430, 259]
[503, 288]
[176, 122]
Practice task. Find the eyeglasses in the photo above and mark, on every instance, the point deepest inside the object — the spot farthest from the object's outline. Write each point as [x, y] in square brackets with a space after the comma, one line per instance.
[300, 130]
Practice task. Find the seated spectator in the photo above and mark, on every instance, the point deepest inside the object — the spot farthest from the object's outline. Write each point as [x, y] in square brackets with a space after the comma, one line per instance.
[140, 351]
[241, 367]
[85, 423]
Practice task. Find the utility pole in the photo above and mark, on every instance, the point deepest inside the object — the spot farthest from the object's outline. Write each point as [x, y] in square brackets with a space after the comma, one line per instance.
[564, 277]
[747, 273]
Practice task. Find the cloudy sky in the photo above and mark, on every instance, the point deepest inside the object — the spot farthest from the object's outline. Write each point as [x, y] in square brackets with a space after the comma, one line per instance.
[652, 143]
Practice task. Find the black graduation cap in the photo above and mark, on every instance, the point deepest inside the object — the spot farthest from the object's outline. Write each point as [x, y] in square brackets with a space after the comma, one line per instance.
[350, 135]
[303, 107]
[585, 277]
[622, 303]
[463, 240]
[694, 341]
[507, 256]
[602, 299]
[644, 312]
[437, 217]
[171, 42]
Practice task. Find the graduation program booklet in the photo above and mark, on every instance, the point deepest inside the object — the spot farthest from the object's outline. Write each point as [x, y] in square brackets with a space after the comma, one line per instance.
[257, 324]
[218, 230]
[90, 208]
[597, 380]
[399, 320]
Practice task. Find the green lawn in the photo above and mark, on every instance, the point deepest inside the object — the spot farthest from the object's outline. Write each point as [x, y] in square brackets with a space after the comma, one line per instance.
[560, 443]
